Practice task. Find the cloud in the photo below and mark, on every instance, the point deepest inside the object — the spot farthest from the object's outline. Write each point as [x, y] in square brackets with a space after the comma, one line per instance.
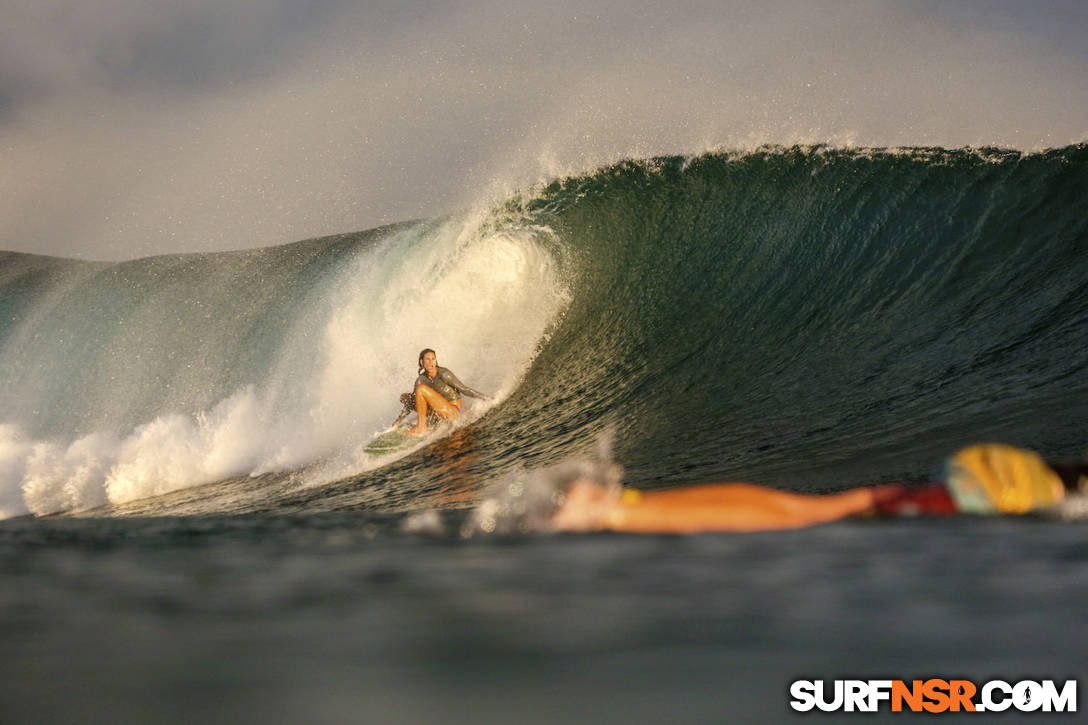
[58, 47]
[134, 128]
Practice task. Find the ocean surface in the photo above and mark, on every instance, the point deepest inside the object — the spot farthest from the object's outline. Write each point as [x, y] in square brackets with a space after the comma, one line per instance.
[194, 530]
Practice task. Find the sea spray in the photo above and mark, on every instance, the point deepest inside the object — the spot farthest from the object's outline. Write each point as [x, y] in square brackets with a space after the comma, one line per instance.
[148, 379]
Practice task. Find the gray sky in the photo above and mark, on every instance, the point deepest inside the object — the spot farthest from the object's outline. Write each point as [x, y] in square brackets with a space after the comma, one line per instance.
[137, 127]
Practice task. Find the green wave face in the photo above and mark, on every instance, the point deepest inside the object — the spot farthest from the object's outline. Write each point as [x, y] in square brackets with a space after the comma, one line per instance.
[819, 316]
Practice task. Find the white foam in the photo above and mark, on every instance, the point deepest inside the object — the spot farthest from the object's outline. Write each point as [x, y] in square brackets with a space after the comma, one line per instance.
[14, 450]
[482, 301]
[60, 478]
[482, 295]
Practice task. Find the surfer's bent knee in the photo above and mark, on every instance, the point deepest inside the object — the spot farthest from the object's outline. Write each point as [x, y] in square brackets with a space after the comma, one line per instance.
[433, 397]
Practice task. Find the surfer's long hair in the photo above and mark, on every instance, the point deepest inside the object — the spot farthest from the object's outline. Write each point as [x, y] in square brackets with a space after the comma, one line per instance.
[423, 352]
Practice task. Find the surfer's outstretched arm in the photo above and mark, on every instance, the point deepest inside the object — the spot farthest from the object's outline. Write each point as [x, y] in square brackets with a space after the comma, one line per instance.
[400, 419]
[409, 402]
[455, 382]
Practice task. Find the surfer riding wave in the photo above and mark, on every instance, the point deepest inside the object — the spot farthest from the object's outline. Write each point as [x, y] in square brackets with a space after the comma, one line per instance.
[437, 395]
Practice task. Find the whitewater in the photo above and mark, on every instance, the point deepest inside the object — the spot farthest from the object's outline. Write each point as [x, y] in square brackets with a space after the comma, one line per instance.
[124, 381]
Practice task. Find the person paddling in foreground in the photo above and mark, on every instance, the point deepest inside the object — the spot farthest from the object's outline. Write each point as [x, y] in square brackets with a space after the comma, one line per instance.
[437, 391]
[981, 479]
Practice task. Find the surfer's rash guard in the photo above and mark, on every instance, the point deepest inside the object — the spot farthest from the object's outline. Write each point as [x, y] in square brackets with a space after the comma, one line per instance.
[446, 384]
